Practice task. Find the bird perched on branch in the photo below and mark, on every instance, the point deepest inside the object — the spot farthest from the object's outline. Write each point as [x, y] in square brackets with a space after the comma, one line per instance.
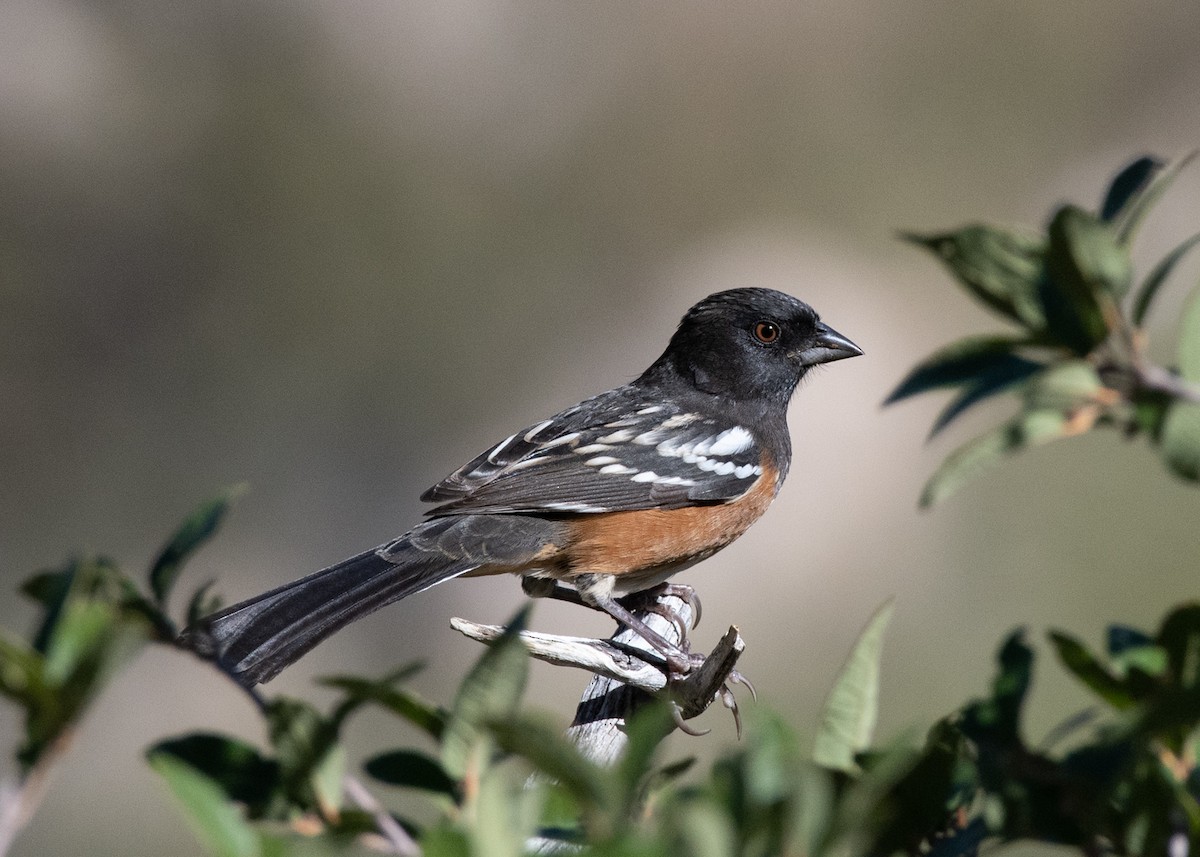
[612, 495]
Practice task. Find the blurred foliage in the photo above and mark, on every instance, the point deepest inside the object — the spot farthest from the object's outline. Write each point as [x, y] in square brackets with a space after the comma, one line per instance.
[503, 781]
[1119, 777]
[1079, 357]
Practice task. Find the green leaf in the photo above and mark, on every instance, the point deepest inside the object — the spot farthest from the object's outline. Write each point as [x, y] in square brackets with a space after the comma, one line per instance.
[1181, 440]
[411, 769]
[20, 667]
[240, 771]
[1158, 276]
[704, 831]
[542, 743]
[428, 717]
[194, 532]
[1128, 222]
[216, 822]
[1181, 428]
[1086, 272]
[1088, 669]
[1029, 429]
[490, 691]
[1188, 349]
[1127, 186]
[1000, 267]
[848, 720]
[445, 841]
[1063, 387]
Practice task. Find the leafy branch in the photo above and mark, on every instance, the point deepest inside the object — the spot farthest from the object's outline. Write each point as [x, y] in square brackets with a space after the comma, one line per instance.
[1079, 357]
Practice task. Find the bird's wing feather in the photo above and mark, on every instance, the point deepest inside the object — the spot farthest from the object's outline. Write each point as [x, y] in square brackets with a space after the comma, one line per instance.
[612, 453]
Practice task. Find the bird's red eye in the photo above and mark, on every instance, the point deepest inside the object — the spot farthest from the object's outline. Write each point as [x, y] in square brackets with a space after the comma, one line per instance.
[766, 332]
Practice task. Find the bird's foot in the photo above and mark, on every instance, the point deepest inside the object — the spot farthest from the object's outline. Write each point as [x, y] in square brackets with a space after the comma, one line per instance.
[647, 601]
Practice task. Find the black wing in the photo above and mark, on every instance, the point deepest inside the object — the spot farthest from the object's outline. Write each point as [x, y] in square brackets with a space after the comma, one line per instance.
[612, 453]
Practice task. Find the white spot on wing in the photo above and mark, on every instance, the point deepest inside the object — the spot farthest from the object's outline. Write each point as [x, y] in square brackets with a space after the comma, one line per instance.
[680, 420]
[618, 469]
[620, 436]
[652, 409]
[574, 507]
[650, 438]
[674, 480]
[644, 476]
[529, 435]
[498, 448]
[731, 442]
[592, 447]
[559, 441]
[601, 461]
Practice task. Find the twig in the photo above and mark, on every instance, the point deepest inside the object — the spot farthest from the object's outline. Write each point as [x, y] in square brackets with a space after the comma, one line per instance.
[396, 835]
[626, 672]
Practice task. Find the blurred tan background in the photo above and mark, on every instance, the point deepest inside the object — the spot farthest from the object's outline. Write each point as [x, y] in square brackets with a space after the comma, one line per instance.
[334, 250]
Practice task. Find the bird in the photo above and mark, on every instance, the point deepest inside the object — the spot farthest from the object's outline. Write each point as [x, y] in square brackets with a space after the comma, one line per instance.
[613, 495]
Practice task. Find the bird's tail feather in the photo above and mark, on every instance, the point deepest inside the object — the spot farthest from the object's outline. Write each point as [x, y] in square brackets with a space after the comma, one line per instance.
[254, 640]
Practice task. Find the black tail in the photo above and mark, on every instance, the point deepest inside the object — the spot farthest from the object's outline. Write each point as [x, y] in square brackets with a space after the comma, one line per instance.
[254, 640]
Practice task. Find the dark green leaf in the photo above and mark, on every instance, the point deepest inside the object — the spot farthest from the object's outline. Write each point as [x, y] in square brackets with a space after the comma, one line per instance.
[1158, 276]
[1086, 272]
[21, 677]
[194, 532]
[1122, 637]
[235, 766]
[1000, 267]
[961, 362]
[1088, 669]
[920, 804]
[411, 769]
[1027, 430]
[216, 821]
[1002, 379]
[302, 739]
[999, 718]
[852, 708]
[1131, 217]
[490, 691]
[202, 603]
[1150, 413]
[645, 732]
[1128, 184]
[1179, 636]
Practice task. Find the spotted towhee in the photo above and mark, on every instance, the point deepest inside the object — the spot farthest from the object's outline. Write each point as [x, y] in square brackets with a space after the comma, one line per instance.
[614, 494]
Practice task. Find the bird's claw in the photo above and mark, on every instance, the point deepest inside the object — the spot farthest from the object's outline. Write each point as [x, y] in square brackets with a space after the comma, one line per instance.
[677, 717]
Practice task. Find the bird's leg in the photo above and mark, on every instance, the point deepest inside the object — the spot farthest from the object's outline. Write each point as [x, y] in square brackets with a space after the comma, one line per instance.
[595, 590]
[545, 587]
[648, 600]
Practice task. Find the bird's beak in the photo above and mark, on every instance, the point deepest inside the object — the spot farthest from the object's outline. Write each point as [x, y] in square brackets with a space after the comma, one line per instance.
[828, 346]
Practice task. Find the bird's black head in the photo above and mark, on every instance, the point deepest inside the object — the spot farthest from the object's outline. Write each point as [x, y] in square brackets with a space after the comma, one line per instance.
[746, 344]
